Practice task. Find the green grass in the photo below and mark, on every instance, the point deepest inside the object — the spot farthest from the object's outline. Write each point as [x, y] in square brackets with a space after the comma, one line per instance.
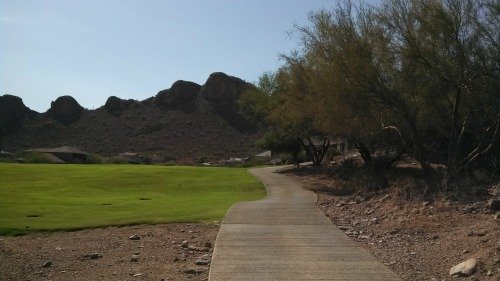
[42, 197]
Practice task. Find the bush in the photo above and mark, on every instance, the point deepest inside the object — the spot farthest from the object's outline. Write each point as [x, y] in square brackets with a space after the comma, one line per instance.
[116, 160]
[35, 157]
[94, 159]
[7, 160]
[169, 158]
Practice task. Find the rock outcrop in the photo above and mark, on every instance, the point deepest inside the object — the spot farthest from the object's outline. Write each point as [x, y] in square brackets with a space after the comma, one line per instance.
[176, 124]
[12, 112]
[223, 89]
[115, 106]
[65, 109]
[180, 93]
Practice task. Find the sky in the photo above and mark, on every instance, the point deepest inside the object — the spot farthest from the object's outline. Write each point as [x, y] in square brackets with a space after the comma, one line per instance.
[94, 49]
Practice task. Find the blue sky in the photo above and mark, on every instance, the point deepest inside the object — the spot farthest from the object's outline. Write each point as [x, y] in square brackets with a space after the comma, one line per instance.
[93, 49]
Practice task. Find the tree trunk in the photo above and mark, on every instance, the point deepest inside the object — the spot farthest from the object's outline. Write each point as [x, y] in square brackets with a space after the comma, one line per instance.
[295, 156]
[428, 172]
[316, 155]
[364, 151]
[381, 179]
[453, 144]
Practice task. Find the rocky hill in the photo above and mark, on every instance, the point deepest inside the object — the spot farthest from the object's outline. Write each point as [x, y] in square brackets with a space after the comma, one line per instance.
[187, 122]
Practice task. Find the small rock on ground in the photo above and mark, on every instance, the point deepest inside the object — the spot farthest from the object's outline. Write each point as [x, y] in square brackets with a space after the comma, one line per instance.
[135, 258]
[134, 237]
[202, 262]
[465, 268]
[192, 271]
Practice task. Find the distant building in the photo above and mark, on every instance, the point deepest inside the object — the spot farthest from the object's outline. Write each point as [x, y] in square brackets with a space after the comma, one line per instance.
[4, 153]
[340, 144]
[276, 161]
[131, 157]
[63, 154]
[264, 154]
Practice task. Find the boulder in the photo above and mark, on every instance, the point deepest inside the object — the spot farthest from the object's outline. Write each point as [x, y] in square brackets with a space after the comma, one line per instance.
[223, 89]
[494, 204]
[12, 112]
[180, 93]
[65, 109]
[115, 106]
[465, 268]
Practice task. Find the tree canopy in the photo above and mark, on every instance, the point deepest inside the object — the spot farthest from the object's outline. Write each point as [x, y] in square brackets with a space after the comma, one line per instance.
[404, 77]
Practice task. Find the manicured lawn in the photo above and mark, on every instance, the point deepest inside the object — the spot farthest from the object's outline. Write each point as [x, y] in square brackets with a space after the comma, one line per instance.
[36, 197]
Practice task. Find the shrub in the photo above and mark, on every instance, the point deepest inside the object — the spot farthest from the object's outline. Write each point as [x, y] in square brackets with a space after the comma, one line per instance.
[116, 160]
[35, 157]
[94, 159]
[7, 160]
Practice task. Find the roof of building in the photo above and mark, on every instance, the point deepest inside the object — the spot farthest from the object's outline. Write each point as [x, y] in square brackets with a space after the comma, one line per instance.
[62, 149]
[275, 161]
[264, 154]
[3, 152]
[54, 159]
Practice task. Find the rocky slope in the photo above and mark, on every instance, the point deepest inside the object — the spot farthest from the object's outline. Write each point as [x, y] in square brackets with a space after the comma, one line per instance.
[187, 122]
[418, 240]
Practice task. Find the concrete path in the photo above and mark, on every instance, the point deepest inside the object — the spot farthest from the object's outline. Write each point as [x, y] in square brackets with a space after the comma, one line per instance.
[285, 237]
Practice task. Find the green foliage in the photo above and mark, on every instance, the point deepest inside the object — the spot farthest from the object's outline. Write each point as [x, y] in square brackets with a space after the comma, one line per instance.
[256, 102]
[1, 134]
[7, 160]
[115, 160]
[36, 197]
[282, 141]
[35, 157]
[94, 159]
[419, 77]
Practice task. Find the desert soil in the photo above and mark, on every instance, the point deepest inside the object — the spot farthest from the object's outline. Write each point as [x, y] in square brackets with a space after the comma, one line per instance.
[158, 252]
[418, 240]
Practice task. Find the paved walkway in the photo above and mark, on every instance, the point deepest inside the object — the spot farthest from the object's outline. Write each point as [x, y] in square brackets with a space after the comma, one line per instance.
[285, 237]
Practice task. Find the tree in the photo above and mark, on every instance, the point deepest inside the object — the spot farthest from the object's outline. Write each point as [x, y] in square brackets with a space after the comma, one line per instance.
[273, 103]
[452, 47]
[428, 69]
[256, 102]
[1, 135]
[282, 141]
[339, 106]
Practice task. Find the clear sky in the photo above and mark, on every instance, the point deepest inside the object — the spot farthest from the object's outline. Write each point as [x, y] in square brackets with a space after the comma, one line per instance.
[93, 49]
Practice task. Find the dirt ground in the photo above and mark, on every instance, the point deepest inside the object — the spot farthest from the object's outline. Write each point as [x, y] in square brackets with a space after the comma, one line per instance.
[418, 240]
[111, 254]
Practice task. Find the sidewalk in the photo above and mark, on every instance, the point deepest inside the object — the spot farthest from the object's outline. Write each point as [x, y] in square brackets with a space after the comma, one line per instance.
[285, 237]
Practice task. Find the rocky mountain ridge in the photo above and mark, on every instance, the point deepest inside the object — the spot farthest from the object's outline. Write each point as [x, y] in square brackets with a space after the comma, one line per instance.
[187, 122]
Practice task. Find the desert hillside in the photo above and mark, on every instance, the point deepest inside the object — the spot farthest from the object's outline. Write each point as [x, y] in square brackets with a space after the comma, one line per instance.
[187, 123]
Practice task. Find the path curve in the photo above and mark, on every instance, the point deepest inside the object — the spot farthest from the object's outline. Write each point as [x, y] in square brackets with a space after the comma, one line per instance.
[285, 237]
